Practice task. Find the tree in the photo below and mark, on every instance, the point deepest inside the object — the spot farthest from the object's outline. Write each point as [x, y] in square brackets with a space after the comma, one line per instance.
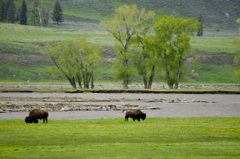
[36, 12]
[76, 60]
[144, 59]
[57, 12]
[200, 30]
[172, 42]
[45, 14]
[127, 22]
[236, 43]
[10, 11]
[18, 6]
[23, 16]
[3, 12]
[32, 19]
[41, 14]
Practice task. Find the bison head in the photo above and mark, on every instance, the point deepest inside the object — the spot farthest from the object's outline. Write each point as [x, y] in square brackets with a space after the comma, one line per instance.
[28, 120]
[143, 116]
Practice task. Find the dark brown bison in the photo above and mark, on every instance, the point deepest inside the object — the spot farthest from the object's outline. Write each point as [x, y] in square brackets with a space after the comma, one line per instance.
[135, 114]
[36, 114]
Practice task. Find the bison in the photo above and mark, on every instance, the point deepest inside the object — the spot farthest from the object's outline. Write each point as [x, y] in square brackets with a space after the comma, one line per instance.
[36, 114]
[135, 114]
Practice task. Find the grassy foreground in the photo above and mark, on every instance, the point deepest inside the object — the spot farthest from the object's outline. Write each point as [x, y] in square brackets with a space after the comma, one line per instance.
[114, 138]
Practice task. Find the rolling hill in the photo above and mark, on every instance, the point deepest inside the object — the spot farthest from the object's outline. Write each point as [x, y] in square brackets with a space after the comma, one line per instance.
[216, 13]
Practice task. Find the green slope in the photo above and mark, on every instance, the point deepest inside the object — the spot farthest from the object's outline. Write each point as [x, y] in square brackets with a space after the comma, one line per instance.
[218, 13]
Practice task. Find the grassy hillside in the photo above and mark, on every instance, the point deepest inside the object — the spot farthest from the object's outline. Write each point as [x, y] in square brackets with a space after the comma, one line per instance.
[216, 13]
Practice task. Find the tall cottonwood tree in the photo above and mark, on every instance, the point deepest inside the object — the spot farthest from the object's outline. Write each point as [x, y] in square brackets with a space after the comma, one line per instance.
[144, 58]
[172, 43]
[57, 12]
[36, 12]
[45, 15]
[127, 22]
[76, 60]
[23, 15]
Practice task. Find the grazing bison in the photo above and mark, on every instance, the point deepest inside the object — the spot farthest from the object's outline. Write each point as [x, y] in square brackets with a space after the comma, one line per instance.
[36, 114]
[135, 114]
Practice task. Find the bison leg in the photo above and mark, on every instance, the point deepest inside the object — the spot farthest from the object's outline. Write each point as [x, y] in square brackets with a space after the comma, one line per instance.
[35, 121]
[138, 119]
[133, 119]
[44, 119]
[126, 118]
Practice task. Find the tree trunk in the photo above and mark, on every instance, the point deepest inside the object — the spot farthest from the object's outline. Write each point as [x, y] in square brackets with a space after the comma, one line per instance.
[167, 78]
[72, 82]
[86, 81]
[84, 77]
[151, 78]
[178, 77]
[79, 80]
[144, 73]
[91, 79]
[92, 85]
[125, 81]
[145, 82]
[170, 86]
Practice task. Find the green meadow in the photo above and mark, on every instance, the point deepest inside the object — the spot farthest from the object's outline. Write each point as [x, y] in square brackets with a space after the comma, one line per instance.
[30, 34]
[34, 35]
[114, 138]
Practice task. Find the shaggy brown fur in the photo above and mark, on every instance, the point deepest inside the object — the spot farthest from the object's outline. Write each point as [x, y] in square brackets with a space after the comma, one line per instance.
[36, 114]
[135, 114]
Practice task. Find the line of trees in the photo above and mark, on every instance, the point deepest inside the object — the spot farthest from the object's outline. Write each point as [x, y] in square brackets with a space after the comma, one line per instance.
[12, 11]
[164, 51]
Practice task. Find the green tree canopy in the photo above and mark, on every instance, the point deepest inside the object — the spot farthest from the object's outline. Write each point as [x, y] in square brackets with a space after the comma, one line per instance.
[76, 60]
[57, 12]
[23, 15]
[127, 22]
[172, 43]
[144, 58]
[32, 19]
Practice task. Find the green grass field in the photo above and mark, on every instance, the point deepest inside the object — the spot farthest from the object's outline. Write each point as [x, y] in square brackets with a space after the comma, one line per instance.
[29, 34]
[115, 138]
